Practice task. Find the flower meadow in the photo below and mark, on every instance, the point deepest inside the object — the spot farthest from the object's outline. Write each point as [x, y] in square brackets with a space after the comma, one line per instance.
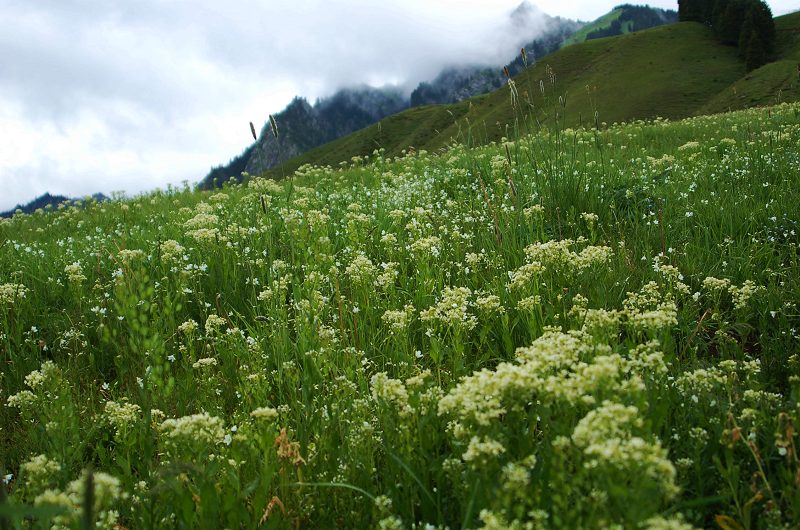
[589, 328]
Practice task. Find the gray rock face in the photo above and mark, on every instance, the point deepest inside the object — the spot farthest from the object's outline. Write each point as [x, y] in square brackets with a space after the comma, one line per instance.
[302, 127]
[298, 131]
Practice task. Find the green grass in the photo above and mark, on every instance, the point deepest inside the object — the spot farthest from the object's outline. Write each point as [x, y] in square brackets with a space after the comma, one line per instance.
[772, 83]
[672, 71]
[579, 328]
[601, 23]
[788, 33]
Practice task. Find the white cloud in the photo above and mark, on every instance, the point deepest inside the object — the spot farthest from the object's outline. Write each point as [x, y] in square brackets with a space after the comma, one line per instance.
[102, 96]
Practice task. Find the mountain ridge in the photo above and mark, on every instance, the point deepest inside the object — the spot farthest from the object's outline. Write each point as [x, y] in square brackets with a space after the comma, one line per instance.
[624, 18]
[617, 77]
[451, 85]
[47, 200]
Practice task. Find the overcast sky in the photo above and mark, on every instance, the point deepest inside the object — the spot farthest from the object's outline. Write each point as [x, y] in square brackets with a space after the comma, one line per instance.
[105, 95]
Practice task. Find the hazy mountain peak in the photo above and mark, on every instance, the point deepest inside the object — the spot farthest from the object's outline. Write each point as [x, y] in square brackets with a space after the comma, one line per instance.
[525, 23]
[525, 12]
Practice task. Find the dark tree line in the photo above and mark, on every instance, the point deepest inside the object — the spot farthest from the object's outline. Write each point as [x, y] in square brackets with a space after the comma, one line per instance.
[638, 18]
[747, 24]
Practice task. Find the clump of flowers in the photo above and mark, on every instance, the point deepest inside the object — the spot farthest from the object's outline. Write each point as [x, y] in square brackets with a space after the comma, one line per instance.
[194, 429]
[542, 368]
[107, 492]
[214, 323]
[74, 273]
[557, 257]
[219, 197]
[533, 212]
[39, 473]
[712, 284]
[560, 256]
[206, 235]
[264, 414]
[663, 317]
[490, 304]
[52, 498]
[649, 310]
[264, 185]
[398, 320]
[522, 277]
[426, 246]
[122, 415]
[387, 276]
[128, 256]
[390, 391]
[602, 324]
[361, 270]
[662, 523]
[24, 400]
[606, 437]
[12, 292]
[205, 362]
[529, 303]
[742, 294]
[482, 449]
[590, 218]
[44, 386]
[201, 220]
[171, 250]
[452, 309]
[188, 327]
[42, 377]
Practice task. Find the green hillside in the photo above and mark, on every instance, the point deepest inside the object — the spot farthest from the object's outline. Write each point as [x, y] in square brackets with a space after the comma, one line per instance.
[600, 23]
[788, 29]
[671, 71]
[625, 18]
[772, 83]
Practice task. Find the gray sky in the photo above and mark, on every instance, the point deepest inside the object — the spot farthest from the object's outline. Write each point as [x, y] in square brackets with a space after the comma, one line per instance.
[112, 95]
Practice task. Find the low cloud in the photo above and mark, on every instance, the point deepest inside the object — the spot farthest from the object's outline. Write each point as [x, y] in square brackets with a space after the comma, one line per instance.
[104, 96]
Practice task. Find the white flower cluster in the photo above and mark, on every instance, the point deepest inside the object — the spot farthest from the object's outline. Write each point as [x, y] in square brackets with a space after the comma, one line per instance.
[398, 320]
[121, 415]
[452, 309]
[12, 292]
[391, 391]
[74, 273]
[39, 472]
[171, 250]
[606, 436]
[197, 428]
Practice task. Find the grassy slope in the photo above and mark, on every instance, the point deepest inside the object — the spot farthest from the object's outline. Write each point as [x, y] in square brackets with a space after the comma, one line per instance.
[772, 83]
[671, 71]
[601, 23]
[629, 76]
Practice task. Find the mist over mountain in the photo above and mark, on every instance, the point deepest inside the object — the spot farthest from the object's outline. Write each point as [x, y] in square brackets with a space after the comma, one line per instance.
[303, 126]
[457, 84]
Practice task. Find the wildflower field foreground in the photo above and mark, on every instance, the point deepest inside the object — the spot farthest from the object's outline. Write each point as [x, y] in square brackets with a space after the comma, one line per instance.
[574, 329]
